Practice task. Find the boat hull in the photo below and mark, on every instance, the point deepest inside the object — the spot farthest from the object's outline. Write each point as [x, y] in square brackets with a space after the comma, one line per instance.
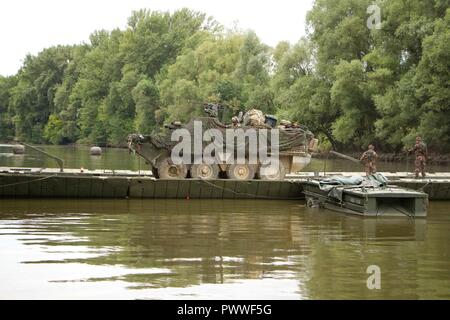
[371, 202]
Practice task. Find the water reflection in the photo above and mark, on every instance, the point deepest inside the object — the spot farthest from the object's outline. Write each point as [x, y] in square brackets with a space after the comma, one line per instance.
[215, 249]
[74, 157]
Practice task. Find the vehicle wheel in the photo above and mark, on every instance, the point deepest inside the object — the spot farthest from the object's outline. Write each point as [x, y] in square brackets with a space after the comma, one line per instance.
[204, 171]
[168, 170]
[241, 171]
[270, 174]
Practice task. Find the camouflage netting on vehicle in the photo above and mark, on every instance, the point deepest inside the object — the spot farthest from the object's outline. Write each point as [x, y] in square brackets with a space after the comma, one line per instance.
[254, 118]
[289, 139]
[293, 138]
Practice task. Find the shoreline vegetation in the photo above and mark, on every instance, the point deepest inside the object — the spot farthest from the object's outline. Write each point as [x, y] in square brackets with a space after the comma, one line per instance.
[350, 84]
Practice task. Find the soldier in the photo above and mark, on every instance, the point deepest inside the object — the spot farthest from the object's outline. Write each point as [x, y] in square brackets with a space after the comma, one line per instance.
[369, 159]
[235, 122]
[284, 124]
[421, 152]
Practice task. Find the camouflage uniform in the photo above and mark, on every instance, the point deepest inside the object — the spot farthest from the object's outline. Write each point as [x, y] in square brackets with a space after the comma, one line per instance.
[421, 152]
[369, 159]
[235, 122]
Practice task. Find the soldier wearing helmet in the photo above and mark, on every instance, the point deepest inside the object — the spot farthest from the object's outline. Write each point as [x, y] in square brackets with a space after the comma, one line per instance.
[369, 159]
[421, 152]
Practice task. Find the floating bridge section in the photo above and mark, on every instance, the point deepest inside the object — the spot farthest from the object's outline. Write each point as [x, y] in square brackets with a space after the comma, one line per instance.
[108, 184]
[50, 183]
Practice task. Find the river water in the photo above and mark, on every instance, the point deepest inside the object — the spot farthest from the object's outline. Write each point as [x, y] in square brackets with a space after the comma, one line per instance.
[214, 249]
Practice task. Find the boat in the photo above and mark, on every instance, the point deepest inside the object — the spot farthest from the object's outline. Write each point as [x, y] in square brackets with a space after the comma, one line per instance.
[370, 196]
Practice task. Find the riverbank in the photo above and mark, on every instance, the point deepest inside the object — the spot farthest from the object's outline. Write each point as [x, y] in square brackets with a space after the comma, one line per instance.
[433, 158]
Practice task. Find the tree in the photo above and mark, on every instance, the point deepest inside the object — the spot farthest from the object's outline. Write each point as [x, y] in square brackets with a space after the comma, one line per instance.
[155, 39]
[252, 71]
[53, 130]
[433, 85]
[203, 74]
[351, 85]
[300, 94]
[350, 94]
[32, 98]
[146, 98]
[66, 107]
[416, 102]
[6, 123]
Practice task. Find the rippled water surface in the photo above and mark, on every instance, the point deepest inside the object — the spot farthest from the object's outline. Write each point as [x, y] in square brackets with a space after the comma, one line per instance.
[217, 249]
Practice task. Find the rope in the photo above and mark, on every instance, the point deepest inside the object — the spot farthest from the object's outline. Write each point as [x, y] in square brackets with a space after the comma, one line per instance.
[402, 211]
[25, 182]
[247, 194]
[423, 187]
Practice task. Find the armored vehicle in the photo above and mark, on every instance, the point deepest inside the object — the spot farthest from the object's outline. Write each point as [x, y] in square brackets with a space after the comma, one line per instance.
[295, 144]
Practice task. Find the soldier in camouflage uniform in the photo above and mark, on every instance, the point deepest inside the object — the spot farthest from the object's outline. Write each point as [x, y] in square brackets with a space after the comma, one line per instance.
[421, 152]
[369, 159]
[235, 122]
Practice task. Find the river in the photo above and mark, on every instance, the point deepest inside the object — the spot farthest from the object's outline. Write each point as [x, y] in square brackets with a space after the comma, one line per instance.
[214, 249]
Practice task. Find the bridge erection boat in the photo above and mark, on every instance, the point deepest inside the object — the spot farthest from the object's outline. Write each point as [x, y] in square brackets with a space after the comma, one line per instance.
[371, 196]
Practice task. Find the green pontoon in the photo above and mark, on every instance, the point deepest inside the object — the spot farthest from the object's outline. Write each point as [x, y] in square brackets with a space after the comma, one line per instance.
[371, 196]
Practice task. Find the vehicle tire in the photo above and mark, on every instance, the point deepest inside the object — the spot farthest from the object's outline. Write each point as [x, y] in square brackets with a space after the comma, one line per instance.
[168, 170]
[241, 171]
[272, 176]
[204, 171]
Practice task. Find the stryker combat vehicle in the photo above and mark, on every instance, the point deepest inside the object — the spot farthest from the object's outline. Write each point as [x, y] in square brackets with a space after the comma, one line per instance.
[200, 160]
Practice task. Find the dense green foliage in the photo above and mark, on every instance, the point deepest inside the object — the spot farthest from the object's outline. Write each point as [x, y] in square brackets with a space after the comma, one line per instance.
[349, 84]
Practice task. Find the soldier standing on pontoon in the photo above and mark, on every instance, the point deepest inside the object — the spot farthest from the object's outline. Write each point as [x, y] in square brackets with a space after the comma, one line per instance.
[421, 152]
[369, 159]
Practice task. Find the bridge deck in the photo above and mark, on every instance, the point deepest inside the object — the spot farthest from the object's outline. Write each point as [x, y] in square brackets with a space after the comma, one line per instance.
[75, 183]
